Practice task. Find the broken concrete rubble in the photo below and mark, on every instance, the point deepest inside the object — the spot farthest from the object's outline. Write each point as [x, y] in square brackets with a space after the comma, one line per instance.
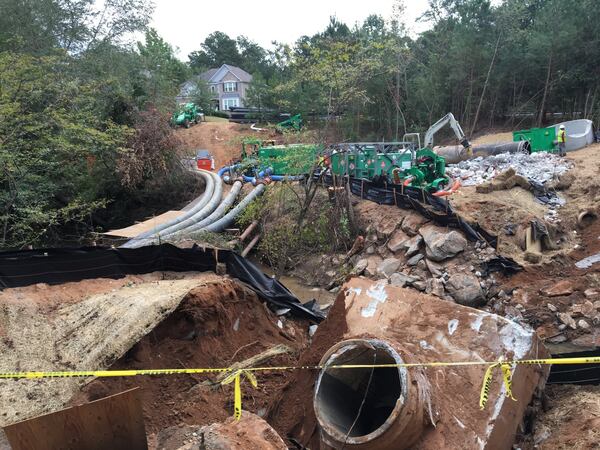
[397, 324]
[540, 166]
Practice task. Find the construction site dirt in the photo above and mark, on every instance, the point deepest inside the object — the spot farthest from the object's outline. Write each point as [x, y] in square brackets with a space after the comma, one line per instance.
[192, 320]
[215, 325]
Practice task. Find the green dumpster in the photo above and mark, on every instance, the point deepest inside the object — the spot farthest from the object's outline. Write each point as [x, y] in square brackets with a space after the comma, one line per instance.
[540, 139]
[295, 159]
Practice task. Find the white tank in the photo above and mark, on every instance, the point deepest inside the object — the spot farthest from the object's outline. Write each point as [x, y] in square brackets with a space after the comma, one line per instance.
[579, 133]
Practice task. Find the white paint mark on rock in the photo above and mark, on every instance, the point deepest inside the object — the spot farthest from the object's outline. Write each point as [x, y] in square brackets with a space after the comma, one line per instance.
[425, 345]
[378, 295]
[452, 326]
[476, 324]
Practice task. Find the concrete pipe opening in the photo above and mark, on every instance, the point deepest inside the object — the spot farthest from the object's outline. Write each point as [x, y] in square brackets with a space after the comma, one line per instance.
[365, 407]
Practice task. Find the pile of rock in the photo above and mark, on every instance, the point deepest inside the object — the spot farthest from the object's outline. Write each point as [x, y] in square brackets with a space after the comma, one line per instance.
[540, 167]
[427, 257]
[581, 315]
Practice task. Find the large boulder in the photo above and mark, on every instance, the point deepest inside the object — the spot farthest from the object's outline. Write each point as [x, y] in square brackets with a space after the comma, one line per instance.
[412, 222]
[441, 244]
[400, 279]
[560, 289]
[465, 289]
[373, 262]
[397, 241]
[360, 266]
[413, 245]
[388, 266]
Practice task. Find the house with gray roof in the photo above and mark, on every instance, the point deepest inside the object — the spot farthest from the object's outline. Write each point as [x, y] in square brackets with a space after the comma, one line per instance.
[228, 86]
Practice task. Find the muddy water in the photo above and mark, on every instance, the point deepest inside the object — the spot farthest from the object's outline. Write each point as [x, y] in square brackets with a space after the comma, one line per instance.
[299, 288]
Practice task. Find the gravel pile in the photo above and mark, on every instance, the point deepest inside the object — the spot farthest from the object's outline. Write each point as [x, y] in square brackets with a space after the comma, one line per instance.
[539, 167]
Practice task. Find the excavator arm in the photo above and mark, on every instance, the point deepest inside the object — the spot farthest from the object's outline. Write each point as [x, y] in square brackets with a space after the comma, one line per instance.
[448, 118]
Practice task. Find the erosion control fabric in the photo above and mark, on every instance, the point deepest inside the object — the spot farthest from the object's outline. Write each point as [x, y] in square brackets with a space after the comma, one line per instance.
[62, 265]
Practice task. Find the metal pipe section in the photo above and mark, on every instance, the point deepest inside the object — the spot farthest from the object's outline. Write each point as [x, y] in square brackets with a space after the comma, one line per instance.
[201, 202]
[249, 230]
[181, 222]
[369, 408]
[454, 154]
[230, 217]
[250, 245]
[217, 213]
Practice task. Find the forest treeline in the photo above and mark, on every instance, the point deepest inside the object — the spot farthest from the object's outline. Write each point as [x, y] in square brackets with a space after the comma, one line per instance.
[512, 63]
[84, 136]
[84, 139]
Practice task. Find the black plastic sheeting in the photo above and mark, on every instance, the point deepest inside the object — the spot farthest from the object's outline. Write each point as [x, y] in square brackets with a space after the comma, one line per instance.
[576, 373]
[433, 208]
[62, 265]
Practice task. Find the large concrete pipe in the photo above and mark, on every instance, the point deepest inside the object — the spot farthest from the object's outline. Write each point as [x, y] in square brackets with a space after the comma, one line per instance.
[369, 408]
[429, 408]
[454, 154]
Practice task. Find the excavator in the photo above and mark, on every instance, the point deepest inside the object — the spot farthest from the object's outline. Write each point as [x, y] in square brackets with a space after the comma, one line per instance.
[447, 119]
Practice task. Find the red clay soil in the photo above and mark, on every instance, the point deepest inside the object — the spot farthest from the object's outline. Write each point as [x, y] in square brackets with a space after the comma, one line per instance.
[200, 334]
[292, 413]
[222, 139]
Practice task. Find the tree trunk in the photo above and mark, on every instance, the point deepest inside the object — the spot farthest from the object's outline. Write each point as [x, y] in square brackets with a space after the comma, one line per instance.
[546, 86]
[485, 84]
[585, 106]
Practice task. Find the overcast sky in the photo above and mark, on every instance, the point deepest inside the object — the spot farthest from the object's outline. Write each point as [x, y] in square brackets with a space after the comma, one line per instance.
[186, 23]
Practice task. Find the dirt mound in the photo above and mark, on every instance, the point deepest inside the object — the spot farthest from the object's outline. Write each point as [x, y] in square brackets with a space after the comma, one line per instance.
[88, 334]
[566, 288]
[493, 138]
[215, 325]
[570, 422]
[222, 139]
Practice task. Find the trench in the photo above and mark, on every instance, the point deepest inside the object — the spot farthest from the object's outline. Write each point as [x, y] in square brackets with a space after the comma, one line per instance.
[588, 374]
[299, 287]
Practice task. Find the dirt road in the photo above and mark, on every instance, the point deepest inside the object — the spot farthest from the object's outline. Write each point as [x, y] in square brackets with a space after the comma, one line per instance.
[222, 139]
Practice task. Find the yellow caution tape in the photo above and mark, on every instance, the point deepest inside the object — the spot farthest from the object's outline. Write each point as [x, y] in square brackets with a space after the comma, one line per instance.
[507, 379]
[236, 374]
[485, 387]
[237, 394]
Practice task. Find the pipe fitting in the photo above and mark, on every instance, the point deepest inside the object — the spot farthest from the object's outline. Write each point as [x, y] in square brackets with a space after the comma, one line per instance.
[368, 408]
[586, 217]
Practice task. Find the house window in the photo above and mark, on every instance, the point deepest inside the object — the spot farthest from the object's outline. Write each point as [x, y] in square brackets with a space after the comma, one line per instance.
[230, 86]
[213, 89]
[230, 103]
